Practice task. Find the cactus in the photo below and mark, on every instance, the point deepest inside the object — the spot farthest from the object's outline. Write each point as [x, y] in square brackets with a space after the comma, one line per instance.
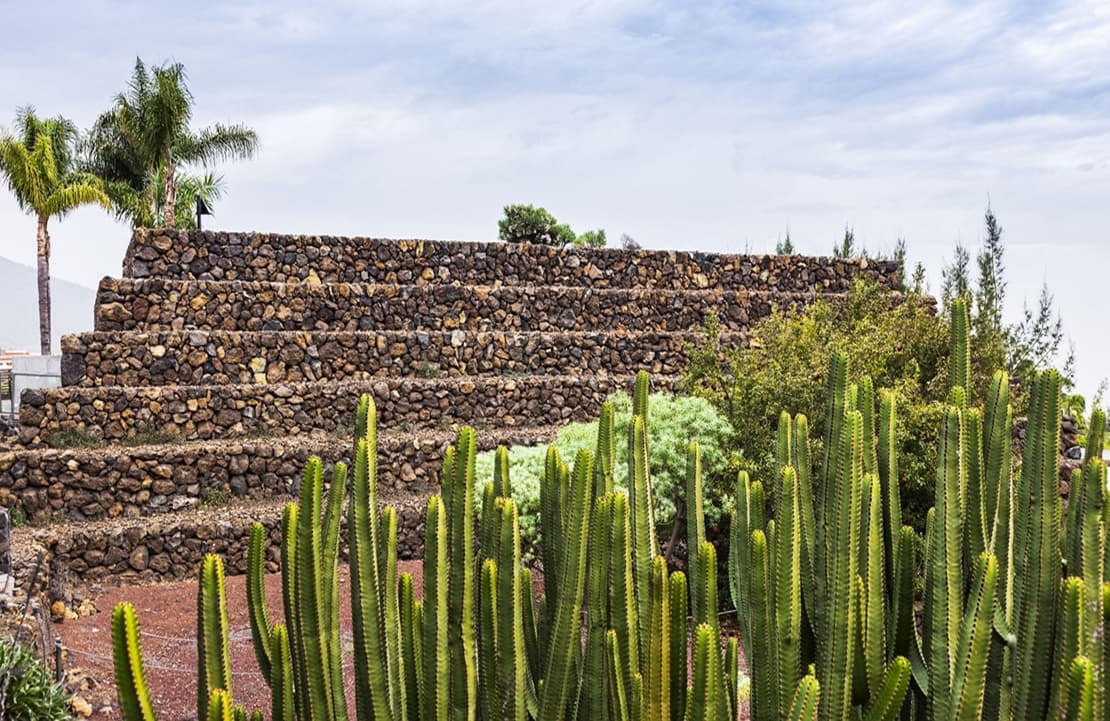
[127, 656]
[213, 658]
[695, 520]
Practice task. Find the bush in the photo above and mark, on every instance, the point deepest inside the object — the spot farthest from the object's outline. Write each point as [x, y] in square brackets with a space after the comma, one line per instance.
[528, 224]
[901, 346]
[672, 423]
[27, 692]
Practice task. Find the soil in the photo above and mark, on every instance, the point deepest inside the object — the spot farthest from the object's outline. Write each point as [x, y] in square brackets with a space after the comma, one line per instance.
[167, 626]
[167, 623]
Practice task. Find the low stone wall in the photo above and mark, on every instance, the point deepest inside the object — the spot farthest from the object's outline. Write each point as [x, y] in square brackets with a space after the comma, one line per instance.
[231, 357]
[118, 413]
[154, 304]
[171, 548]
[211, 255]
[117, 481]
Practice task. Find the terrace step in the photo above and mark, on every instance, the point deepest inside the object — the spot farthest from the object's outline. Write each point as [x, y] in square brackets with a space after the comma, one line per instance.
[217, 255]
[48, 485]
[155, 304]
[171, 546]
[123, 413]
[255, 357]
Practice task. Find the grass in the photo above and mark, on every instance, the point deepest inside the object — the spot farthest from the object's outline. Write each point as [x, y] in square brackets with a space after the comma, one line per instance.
[72, 438]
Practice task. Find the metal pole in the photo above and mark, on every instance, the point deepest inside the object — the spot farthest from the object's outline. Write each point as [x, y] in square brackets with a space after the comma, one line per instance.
[59, 672]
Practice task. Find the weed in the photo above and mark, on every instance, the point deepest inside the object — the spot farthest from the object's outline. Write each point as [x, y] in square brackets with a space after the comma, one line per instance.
[72, 438]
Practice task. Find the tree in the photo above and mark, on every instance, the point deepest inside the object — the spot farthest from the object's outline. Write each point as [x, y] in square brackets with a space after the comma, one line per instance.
[1035, 340]
[955, 277]
[38, 162]
[990, 294]
[591, 239]
[785, 247]
[528, 224]
[140, 144]
[847, 246]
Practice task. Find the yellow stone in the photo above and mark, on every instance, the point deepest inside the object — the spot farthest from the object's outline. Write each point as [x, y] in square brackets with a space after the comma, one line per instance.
[158, 350]
[258, 365]
[198, 301]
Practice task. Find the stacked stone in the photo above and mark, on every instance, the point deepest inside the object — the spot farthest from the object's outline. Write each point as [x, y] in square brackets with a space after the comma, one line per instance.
[221, 361]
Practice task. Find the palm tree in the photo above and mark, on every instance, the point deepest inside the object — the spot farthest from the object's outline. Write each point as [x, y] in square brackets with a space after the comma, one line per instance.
[139, 145]
[38, 162]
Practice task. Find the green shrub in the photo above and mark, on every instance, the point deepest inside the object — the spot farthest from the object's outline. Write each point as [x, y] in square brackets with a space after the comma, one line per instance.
[672, 421]
[27, 693]
[901, 346]
[528, 224]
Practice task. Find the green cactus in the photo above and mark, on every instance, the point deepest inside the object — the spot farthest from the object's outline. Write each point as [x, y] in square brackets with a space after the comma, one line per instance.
[807, 697]
[959, 363]
[565, 631]
[127, 657]
[281, 675]
[1037, 533]
[678, 602]
[1080, 691]
[695, 520]
[256, 598]
[213, 657]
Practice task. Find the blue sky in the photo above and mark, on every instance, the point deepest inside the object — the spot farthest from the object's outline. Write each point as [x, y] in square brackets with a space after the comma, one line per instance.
[714, 126]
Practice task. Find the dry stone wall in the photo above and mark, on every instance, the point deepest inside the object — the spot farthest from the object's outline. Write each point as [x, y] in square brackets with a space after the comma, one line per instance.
[127, 413]
[227, 357]
[212, 255]
[249, 351]
[117, 481]
[154, 304]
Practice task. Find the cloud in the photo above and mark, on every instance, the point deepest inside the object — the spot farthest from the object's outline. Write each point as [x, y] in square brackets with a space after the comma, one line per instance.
[701, 125]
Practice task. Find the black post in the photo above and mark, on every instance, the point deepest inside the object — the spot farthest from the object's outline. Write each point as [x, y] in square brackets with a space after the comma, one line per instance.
[59, 672]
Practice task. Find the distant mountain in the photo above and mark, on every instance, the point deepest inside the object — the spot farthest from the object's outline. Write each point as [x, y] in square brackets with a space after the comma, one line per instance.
[19, 315]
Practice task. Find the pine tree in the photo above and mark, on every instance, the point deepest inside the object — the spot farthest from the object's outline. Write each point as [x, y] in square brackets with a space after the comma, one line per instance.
[990, 294]
[785, 247]
[847, 246]
[956, 279]
[900, 260]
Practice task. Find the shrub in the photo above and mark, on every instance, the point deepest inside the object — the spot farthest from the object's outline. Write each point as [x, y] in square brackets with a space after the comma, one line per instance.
[528, 224]
[27, 693]
[902, 346]
[673, 421]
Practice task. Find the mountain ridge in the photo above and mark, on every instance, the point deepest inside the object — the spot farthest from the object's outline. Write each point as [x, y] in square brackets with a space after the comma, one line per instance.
[72, 307]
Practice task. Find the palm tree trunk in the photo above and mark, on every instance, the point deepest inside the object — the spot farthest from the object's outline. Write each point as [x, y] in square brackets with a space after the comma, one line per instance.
[171, 194]
[43, 252]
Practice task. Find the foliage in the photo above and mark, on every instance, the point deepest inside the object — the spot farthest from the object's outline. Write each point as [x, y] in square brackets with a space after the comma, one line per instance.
[785, 246]
[674, 421]
[591, 239]
[38, 164]
[477, 645]
[27, 691]
[528, 224]
[1033, 343]
[628, 242]
[847, 246]
[138, 146]
[956, 277]
[1008, 632]
[900, 345]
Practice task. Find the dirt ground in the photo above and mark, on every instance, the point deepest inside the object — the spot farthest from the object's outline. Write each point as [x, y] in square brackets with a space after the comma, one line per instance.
[167, 623]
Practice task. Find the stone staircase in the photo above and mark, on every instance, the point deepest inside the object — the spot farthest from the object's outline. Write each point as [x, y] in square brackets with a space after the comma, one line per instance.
[220, 362]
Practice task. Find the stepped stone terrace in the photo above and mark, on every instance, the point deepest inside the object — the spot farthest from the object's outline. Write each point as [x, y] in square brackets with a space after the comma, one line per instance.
[219, 362]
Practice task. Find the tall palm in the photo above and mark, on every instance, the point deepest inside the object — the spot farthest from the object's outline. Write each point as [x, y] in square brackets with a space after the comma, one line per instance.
[38, 163]
[139, 145]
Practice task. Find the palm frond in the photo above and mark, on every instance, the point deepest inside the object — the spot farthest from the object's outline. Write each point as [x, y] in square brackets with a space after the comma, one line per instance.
[69, 196]
[218, 142]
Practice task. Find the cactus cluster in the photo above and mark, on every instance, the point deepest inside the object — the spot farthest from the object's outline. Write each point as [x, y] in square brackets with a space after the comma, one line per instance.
[1006, 630]
[479, 644]
[1012, 624]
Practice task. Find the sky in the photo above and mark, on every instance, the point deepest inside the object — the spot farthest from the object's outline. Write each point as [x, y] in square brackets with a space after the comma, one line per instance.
[694, 125]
